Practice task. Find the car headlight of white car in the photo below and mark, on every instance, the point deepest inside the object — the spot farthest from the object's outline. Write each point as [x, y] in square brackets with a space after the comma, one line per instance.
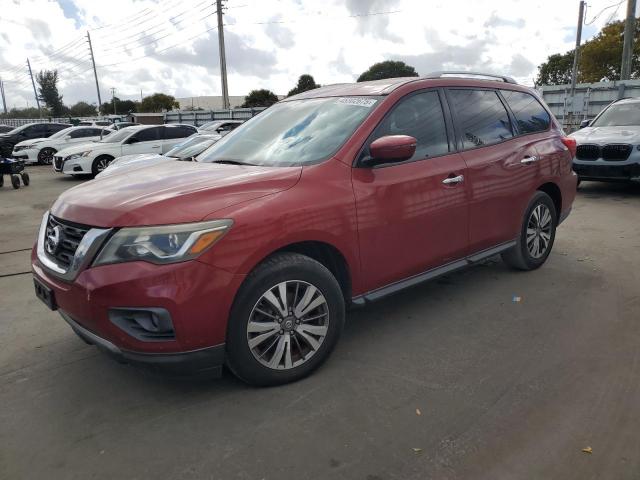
[19, 148]
[162, 244]
[77, 156]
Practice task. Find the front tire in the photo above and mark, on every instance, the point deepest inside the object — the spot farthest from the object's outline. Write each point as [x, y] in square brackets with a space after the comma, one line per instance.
[536, 236]
[100, 163]
[285, 321]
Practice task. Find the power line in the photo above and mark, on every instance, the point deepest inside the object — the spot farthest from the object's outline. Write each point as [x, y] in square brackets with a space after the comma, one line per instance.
[603, 10]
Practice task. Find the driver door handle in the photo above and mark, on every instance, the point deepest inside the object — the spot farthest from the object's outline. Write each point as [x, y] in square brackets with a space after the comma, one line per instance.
[528, 160]
[453, 180]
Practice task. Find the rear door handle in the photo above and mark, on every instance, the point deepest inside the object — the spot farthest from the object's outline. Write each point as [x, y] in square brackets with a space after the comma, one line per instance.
[453, 180]
[529, 160]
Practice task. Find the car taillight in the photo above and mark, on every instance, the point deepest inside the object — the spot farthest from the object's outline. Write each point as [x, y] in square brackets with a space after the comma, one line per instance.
[570, 143]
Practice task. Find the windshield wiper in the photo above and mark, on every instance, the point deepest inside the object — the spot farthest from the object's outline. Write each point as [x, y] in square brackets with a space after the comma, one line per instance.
[233, 162]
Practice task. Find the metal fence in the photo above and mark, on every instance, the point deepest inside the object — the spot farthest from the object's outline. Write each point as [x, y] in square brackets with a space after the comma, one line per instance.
[589, 99]
[200, 117]
[17, 122]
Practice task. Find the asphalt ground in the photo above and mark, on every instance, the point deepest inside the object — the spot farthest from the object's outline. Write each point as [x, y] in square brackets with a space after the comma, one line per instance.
[484, 374]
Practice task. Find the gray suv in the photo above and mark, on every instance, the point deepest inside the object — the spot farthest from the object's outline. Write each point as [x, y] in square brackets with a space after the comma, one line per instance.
[609, 146]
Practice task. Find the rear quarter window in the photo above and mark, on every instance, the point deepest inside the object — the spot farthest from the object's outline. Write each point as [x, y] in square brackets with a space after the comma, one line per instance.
[530, 115]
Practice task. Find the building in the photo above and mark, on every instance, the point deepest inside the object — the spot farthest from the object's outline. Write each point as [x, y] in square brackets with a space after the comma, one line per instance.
[209, 102]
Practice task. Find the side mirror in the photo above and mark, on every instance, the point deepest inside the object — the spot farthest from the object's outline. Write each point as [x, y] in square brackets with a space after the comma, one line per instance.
[585, 123]
[392, 148]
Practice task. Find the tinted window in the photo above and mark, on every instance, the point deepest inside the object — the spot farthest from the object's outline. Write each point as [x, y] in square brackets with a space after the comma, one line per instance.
[149, 134]
[421, 117]
[178, 131]
[35, 130]
[55, 127]
[481, 117]
[530, 115]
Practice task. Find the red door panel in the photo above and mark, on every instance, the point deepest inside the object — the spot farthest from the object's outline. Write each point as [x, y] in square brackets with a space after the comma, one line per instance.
[408, 220]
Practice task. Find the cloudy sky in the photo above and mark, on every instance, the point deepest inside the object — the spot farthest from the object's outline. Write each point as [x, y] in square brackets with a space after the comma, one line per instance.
[171, 46]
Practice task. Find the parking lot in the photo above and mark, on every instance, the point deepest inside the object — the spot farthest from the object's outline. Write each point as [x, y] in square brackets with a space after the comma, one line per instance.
[488, 373]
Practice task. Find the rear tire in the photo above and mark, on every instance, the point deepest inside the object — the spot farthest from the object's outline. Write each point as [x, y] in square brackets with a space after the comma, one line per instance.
[15, 181]
[45, 156]
[536, 235]
[295, 340]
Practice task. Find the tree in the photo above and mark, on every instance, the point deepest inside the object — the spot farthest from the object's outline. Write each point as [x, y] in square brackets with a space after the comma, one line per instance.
[305, 82]
[82, 109]
[30, 112]
[388, 69]
[48, 91]
[600, 59]
[122, 106]
[158, 102]
[556, 70]
[260, 98]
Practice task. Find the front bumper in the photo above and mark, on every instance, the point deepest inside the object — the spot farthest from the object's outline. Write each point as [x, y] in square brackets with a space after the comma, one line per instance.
[205, 362]
[197, 296]
[607, 170]
[28, 155]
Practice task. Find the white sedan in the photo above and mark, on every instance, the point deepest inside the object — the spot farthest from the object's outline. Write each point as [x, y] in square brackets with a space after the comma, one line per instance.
[93, 158]
[42, 150]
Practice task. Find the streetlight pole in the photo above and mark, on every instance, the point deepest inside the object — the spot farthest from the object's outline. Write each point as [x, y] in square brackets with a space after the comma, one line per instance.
[223, 58]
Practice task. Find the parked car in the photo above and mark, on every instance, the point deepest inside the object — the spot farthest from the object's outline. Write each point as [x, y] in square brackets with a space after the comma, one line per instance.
[27, 132]
[187, 150]
[220, 126]
[609, 146]
[340, 195]
[42, 150]
[5, 128]
[92, 158]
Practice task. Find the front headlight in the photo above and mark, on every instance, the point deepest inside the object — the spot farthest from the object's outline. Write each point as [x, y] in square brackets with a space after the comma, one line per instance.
[162, 244]
[76, 156]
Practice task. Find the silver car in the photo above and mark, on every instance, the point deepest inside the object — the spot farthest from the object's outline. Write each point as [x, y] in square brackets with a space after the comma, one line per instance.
[609, 146]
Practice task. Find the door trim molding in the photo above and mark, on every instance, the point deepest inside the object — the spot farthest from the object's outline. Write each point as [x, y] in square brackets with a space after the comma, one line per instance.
[395, 287]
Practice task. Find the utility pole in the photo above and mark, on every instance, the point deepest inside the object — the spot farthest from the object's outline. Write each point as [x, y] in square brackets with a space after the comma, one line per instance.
[95, 73]
[576, 52]
[223, 58]
[4, 100]
[34, 88]
[627, 46]
[113, 99]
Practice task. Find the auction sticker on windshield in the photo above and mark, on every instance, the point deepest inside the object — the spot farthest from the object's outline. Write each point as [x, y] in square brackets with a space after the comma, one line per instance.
[359, 101]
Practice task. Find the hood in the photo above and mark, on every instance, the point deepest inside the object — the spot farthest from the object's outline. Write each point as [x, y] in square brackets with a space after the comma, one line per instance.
[30, 142]
[79, 148]
[133, 162]
[602, 135]
[170, 192]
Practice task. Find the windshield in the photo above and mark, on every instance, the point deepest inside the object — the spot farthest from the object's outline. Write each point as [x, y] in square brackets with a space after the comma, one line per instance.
[116, 137]
[292, 133]
[193, 146]
[210, 125]
[621, 115]
[62, 132]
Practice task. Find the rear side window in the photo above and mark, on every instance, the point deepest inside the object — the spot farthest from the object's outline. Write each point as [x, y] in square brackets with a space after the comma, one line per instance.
[481, 117]
[420, 116]
[531, 117]
[179, 131]
[149, 134]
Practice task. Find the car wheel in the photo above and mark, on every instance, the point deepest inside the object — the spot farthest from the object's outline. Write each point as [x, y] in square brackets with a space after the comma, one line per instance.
[25, 179]
[100, 163]
[537, 235]
[285, 321]
[45, 156]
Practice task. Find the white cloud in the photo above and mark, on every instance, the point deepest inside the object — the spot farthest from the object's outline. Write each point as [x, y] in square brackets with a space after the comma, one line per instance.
[169, 46]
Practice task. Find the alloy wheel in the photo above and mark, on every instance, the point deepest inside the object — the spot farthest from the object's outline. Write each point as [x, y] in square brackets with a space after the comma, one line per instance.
[102, 164]
[539, 231]
[288, 324]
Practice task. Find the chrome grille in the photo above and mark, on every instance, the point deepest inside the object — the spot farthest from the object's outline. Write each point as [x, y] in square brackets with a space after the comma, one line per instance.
[58, 163]
[616, 152]
[68, 237]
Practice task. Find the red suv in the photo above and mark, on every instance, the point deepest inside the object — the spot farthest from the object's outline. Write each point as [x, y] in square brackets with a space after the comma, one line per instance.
[341, 195]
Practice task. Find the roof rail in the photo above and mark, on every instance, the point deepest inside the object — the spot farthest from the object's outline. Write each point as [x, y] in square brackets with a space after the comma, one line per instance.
[487, 76]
